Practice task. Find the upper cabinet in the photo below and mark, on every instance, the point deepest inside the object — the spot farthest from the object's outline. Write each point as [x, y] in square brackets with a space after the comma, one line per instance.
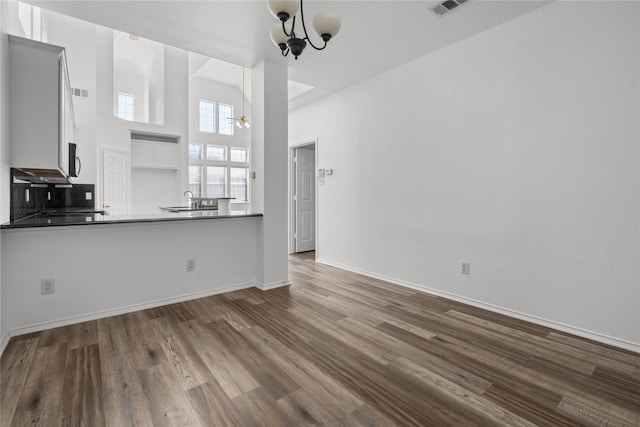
[42, 118]
[154, 151]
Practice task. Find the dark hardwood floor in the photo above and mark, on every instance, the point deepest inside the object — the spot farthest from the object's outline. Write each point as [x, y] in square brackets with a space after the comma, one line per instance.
[334, 348]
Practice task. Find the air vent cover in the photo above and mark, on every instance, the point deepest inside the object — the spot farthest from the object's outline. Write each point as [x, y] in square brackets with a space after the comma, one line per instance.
[447, 6]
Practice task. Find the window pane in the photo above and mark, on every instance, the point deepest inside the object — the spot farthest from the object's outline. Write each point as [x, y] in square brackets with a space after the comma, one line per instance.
[239, 188]
[225, 119]
[216, 152]
[195, 180]
[216, 181]
[195, 151]
[206, 116]
[239, 154]
[125, 106]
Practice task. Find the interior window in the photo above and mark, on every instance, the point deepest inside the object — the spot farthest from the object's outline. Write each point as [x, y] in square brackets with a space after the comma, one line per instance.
[216, 152]
[195, 180]
[239, 154]
[225, 119]
[207, 109]
[126, 106]
[239, 187]
[216, 181]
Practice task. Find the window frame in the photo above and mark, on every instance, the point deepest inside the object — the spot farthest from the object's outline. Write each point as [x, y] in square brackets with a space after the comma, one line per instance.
[231, 123]
[213, 116]
[227, 164]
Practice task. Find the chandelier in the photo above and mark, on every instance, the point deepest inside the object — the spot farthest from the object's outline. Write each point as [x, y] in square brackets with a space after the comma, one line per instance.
[283, 34]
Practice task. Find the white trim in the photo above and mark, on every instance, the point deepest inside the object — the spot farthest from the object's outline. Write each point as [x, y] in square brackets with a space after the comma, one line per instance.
[126, 309]
[272, 285]
[595, 336]
[3, 342]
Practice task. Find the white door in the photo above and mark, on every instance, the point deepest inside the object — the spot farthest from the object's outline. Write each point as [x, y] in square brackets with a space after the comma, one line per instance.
[115, 181]
[305, 200]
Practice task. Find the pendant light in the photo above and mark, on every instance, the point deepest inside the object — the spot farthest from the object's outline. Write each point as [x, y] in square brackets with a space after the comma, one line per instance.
[284, 36]
[243, 121]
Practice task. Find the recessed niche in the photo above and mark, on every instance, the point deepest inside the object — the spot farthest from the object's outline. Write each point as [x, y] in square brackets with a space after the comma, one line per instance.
[138, 79]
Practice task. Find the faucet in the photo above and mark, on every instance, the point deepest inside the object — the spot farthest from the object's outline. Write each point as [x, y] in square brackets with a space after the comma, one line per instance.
[191, 201]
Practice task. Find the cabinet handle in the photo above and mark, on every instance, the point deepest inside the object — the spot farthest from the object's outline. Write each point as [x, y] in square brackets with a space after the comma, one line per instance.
[79, 165]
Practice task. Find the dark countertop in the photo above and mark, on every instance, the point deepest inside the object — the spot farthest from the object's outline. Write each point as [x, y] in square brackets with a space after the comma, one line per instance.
[44, 220]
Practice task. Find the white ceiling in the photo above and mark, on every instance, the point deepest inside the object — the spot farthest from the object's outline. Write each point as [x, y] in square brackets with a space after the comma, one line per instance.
[376, 35]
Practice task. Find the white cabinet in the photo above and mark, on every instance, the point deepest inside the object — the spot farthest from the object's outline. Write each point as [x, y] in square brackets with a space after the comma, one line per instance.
[152, 154]
[41, 107]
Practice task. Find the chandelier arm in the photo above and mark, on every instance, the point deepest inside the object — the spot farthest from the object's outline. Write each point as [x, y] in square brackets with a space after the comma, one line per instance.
[293, 26]
[306, 35]
[285, 52]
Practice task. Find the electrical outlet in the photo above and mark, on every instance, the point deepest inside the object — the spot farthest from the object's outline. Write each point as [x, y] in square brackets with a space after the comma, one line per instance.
[47, 286]
[465, 268]
[191, 265]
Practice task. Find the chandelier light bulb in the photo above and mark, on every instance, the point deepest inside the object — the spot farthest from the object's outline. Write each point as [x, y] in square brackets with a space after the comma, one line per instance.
[326, 25]
[278, 37]
[283, 9]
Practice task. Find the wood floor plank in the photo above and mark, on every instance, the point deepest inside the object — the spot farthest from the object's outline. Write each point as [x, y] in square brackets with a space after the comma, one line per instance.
[485, 410]
[324, 389]
[83, 388]
[167, 403]
[335, 348]
[212, 405]
[15, 366]
[39, 403]
[543, 379]
[590, 416]
[123, 397]
[259, 409]
[274, 381]
[181, 354]
[232, 376]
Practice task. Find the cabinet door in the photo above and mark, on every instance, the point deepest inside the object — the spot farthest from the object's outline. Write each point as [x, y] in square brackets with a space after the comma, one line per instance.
[165, 156]
[142, 154]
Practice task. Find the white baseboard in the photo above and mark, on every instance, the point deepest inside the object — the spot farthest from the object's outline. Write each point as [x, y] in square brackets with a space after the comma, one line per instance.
[122, 310]
[595, 336]
[272, 285]
[3, 342]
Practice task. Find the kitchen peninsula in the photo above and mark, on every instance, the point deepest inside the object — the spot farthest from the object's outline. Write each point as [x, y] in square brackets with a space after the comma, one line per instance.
[47, 219]
[115, 264]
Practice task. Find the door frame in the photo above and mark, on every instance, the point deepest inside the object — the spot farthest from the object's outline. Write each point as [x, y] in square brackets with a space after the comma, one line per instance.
[127, 154]
[292, 173]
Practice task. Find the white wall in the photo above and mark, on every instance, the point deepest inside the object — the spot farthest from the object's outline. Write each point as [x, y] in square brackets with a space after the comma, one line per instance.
[108, 269]
[4, 148]
[515, 150]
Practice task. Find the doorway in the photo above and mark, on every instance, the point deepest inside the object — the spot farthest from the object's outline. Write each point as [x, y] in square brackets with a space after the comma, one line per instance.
[303, 200]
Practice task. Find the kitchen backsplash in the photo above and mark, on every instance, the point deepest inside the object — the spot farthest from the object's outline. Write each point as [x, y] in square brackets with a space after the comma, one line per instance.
[28, 199]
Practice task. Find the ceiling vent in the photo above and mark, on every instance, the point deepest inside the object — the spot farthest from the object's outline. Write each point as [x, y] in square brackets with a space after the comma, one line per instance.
[447, 6]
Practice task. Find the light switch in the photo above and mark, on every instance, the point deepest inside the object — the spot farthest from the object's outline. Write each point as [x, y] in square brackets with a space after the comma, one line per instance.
[88, 195]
